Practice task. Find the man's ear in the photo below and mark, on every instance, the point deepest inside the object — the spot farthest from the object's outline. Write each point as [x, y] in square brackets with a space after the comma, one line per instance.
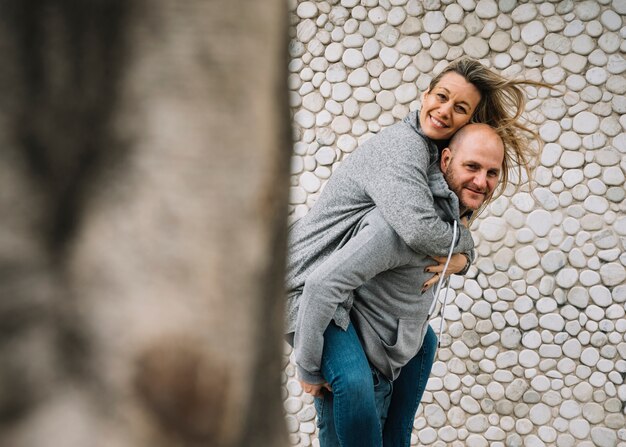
[446, 158]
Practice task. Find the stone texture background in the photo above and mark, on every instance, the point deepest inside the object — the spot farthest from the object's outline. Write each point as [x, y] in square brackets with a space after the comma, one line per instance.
[534, 352]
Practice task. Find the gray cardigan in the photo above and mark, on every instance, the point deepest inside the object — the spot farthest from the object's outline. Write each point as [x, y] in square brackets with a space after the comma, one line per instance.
[395, 171]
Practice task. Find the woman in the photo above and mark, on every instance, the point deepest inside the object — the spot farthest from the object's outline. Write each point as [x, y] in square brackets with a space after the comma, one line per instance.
[389, 172]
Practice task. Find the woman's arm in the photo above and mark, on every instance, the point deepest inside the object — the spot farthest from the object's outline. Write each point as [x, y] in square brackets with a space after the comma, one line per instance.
[401, 191]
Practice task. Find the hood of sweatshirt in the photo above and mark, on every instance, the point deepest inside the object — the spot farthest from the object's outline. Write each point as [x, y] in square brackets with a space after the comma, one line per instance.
[438, 186]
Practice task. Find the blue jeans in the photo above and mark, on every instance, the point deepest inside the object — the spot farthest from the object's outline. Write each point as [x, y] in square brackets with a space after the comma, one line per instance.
[365, 409]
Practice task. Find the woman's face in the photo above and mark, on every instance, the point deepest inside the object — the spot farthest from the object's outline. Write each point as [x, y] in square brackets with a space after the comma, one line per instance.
[448, 106]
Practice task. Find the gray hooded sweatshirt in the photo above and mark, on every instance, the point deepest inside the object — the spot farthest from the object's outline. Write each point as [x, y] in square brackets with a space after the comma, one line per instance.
[397, 172]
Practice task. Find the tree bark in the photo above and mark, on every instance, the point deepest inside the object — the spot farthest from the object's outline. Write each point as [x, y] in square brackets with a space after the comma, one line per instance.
[143, 186]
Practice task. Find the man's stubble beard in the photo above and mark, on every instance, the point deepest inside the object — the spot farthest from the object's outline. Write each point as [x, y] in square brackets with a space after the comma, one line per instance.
[457, 188]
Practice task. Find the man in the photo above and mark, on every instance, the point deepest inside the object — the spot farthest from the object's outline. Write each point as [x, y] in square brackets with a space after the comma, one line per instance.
[376, 276]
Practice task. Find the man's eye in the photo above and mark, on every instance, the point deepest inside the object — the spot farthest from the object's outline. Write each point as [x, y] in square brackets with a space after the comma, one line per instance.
[441, 96]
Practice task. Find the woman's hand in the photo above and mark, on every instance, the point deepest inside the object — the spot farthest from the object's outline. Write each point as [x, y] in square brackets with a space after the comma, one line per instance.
[457, 263]
[315, 390]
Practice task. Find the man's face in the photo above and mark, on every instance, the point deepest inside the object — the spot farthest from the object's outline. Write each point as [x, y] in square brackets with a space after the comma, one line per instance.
[472, 170]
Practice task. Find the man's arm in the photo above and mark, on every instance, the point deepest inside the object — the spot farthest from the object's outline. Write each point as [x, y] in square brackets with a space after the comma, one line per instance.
[374, 249]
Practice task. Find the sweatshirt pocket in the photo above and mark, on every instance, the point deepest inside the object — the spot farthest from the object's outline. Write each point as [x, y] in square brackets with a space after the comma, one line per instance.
[407, 343]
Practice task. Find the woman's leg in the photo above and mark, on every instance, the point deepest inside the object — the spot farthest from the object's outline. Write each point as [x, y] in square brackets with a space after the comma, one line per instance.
[408, 389]
[348, 416]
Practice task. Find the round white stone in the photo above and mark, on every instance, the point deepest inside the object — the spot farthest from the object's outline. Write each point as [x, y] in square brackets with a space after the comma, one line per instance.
[396, 16]
[540, 414]
[476, 47]
[527, 257]
[611, 20]
[409, 45]
[306, 30]
[434, 416]
[586, 122]
[304, 118]
[567, 277]
[313, 102]
[389, 56]
[341, 91]
[590, 356]
[587, 10]
[346, 143]
[613, 176]
[524, 13]
[371, 49]
[406, 93]
[434, 22]
[492, 228]
[470, 405]
[486, 9]
[334, 52]
[359, 78]
[571, 159]
[596, 76]
[454, 34]
[390, 79]
[310, 182]
[370, 112]
[553, 322]
[570, 409]
[353, 58]
[377, 15]
[550, 131]
[540, 221]
[533, 32]
[609, 42]
[336, 73]
[306, 10]
[596, 204]
[557, 43]
[325, 156]
[583, 44]
[612, 274]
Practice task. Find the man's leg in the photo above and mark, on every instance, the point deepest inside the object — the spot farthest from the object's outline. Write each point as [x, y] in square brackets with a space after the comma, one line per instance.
[408, 389]
[348, 416]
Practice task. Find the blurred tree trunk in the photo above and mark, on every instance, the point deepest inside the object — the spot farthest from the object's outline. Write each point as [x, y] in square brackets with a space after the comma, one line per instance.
[144, 151]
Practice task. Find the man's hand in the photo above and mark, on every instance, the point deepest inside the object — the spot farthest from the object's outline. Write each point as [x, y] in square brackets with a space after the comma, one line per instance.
[457, 263]
[315, 390]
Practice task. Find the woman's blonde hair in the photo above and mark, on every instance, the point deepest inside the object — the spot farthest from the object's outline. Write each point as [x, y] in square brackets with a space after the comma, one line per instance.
[502, 103]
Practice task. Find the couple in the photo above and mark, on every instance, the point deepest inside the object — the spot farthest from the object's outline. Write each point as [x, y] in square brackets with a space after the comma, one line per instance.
[361, 261]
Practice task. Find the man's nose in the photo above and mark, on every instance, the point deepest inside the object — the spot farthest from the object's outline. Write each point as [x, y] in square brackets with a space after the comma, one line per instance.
[480, 179]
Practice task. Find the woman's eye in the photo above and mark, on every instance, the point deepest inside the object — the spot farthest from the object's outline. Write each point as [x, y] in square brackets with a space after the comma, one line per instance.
[441, 96]
[460, 109]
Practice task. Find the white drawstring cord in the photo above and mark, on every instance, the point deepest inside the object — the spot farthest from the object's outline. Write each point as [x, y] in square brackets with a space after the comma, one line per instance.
[440, 283]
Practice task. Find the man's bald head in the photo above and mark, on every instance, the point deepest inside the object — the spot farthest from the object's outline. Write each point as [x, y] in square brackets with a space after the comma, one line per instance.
[472, 164]
[477, 130]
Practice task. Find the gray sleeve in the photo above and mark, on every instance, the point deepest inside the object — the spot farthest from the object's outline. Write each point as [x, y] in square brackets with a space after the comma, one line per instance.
[399, 188]
[374, 249]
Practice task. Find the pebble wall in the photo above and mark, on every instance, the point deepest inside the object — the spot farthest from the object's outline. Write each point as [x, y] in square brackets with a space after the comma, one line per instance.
[534, 352]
